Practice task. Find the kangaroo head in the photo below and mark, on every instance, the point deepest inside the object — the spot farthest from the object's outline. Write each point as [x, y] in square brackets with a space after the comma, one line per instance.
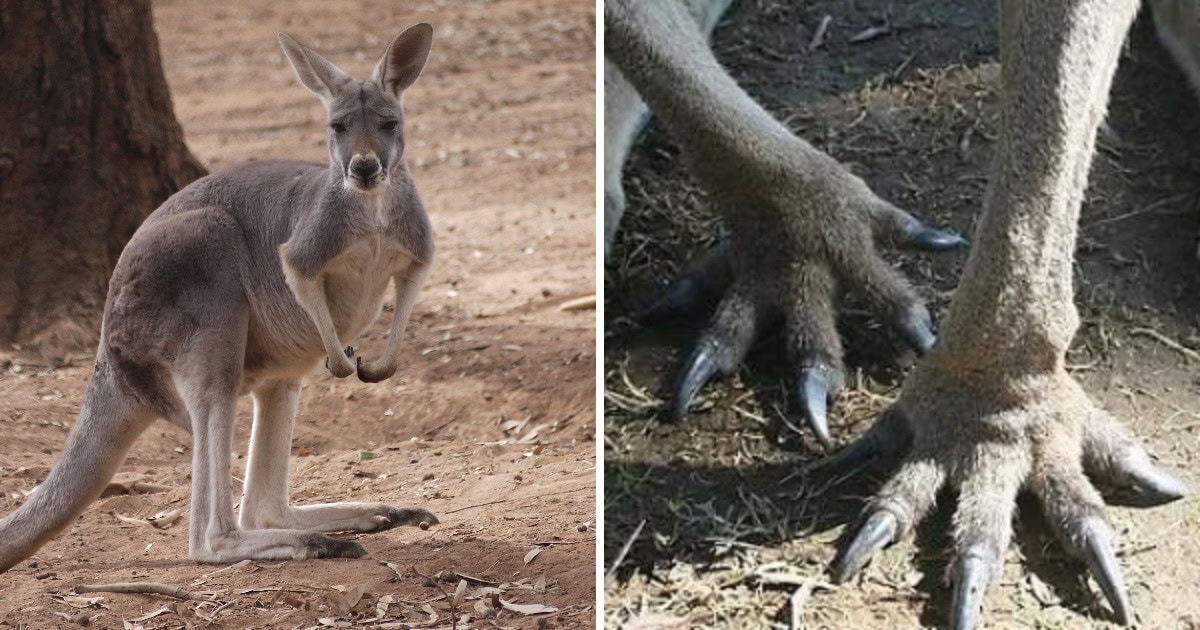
[366, 120]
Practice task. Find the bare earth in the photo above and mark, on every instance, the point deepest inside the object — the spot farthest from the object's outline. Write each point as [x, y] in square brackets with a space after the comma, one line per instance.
[490, 424]
[731, 532]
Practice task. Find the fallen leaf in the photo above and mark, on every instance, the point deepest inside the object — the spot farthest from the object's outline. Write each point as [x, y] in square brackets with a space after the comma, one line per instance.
[131, 520]
[533, 553]
[429, 611]
[163, 520]
[540, 585]
[381, 606]
[161, 611]
[459, 592]
[77, 601]
[528, 609]
[867, 34]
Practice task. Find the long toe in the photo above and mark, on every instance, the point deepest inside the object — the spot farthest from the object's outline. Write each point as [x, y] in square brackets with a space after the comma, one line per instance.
[718, 350]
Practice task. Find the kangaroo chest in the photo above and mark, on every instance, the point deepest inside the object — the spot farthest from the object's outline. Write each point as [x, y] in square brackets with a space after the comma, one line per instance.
[356, 280]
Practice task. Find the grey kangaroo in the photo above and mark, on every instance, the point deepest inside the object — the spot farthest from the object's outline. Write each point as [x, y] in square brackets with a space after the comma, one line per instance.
[241, 283]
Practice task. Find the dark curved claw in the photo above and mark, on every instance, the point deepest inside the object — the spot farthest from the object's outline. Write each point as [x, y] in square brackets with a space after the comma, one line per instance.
[812, 395]
[973, 571]
[1095, 546]
[921, 236]
[916, 326]
[878, 531]
[691, 293]
[710, 357]
[1153, 485]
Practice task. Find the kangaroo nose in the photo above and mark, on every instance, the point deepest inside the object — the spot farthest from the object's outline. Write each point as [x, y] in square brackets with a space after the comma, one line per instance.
[364, 167]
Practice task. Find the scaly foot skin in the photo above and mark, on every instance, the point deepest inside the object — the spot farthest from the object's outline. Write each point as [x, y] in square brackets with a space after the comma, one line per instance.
[794, 251]
[1037, 433]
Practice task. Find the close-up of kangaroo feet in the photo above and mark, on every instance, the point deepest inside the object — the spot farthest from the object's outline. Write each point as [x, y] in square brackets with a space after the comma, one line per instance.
[794, 267]
[1037, 434]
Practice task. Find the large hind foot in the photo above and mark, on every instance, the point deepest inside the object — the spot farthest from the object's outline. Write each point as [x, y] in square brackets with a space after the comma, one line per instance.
[337, 517]
[1042, 434]
[805, 242]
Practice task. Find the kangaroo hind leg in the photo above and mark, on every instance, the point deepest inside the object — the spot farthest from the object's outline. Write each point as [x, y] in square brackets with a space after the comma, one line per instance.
[209, 389]
[265, 500]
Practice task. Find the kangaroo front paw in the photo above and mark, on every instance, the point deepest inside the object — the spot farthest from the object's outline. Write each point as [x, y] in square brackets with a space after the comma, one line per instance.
[793, 267]
[322, 546]
[374, 371]
[340, 365]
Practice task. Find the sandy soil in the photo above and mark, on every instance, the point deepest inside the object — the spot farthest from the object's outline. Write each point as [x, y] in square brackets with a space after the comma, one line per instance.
[490, 424]
[913, 112]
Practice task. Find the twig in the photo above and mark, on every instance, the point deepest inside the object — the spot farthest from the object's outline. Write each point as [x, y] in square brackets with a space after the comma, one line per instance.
[798, 600]
[1167, 341]
[818, 38]
[474, 506]
[453, 604]
[145, 588]
[612, 571]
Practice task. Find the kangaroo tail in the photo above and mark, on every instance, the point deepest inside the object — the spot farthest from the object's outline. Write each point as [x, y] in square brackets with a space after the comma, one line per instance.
[109, 422]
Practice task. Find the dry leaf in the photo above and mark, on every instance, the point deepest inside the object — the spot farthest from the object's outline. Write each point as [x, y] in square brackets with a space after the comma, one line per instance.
[533, 553]
[131, 520]
[163, 520]
[77, 601]
[365, 456]
[867, 34]
[540, 585]
[381, 606]
[459, 592]
[161, 611]
[528, 609]
[429, 611]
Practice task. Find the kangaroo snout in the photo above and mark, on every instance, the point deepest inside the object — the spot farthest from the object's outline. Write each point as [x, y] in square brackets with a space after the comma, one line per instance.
[365, 170]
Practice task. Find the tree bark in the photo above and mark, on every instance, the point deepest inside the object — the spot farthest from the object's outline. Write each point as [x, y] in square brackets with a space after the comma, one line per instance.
[89, 146]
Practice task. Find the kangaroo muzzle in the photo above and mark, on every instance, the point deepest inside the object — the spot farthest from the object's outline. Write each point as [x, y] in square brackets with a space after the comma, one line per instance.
[365, 171]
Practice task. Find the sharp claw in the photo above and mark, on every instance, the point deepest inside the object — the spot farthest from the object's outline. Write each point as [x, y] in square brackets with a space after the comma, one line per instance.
[973, 572]
[701, 365]
[693, 292]
[1097, 550]
[1154, 486]
[924, 237]
[812, 394]
[877, 532]
[916, 326]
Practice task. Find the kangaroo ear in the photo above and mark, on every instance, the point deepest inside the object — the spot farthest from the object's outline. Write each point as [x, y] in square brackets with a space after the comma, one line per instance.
[404, 59]
[316, 72]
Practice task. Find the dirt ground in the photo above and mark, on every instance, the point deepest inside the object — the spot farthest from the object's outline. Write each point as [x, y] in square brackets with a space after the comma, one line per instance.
[490, 421]
[731, 532]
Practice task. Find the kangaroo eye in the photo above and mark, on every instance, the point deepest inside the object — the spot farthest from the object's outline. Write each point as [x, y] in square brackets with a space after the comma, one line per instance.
[337, 127]
[388, 126]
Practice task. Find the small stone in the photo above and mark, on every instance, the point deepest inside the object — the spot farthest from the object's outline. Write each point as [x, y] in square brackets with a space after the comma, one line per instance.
[424, 525]
[582, 527]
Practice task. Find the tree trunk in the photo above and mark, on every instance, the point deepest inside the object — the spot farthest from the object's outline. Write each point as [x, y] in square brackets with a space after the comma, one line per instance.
[89, 146]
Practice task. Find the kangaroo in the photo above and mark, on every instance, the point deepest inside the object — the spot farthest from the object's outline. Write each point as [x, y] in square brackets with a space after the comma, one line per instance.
[990, 411]
[240, 283]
